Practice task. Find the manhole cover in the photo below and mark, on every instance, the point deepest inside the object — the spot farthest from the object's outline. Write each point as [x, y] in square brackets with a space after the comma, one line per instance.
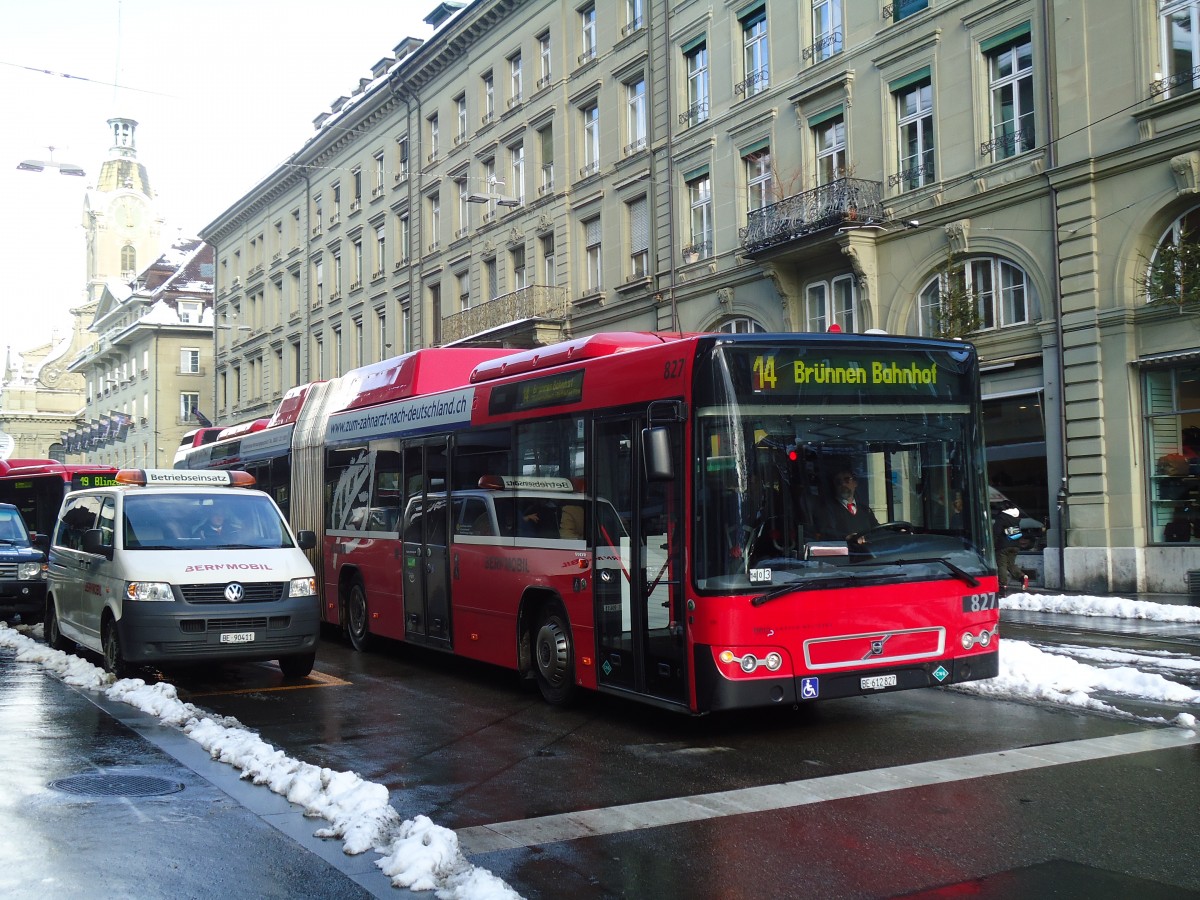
[116, 785]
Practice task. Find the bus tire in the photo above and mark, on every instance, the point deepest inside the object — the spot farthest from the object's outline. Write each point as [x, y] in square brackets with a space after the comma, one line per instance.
[54, 636]
[358, 618]
[298, 665]
[554, 656]
[114, 657]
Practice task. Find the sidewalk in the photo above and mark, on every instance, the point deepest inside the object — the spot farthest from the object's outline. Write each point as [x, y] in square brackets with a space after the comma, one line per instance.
[101, 800]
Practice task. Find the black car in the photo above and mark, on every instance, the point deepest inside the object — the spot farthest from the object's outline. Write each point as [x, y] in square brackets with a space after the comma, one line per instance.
[22, 569]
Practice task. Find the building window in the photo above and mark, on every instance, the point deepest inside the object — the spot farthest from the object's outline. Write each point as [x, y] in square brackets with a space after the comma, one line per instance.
[517, 157]
[381, 340]
[639, 238]
[1002, 292]
[741, 325]
[434, 138]
[546, 146]
[492, 278]
[827, 30]
[464, 210]
[699, 190]
[1172, 398]
[357, 248]
[403, 240]
[318, 355]
[591, 242]
[759, 187]
[401, 159]
[696, 57]
[517, 258]
[128, 260]
[1179, 25]
[489, 98]
[546, 61]
[635, 98]
[336, 292]
[356, 201]
[914, 117]
[297, 363]
[335, 341]
[463, 280]
[549, 267]
[460, 103]
[377, 188]
[591, 140]
[433, 208]
[515, 80]
[587, 33]
[406, 329]
[828, 303]
[635, 16]
[830, 139]
[1010, 86]
[190, 312]
[755, 63]
[1171, 274]
[902, 9]
[189, 402]
[318, 283]
[189, 361]
[380, 250]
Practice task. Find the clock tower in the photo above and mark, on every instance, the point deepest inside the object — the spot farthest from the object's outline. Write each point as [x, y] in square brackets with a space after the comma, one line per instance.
[123, 230]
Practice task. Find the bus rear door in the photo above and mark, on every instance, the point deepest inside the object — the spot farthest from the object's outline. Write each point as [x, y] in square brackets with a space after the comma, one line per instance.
[425, 534]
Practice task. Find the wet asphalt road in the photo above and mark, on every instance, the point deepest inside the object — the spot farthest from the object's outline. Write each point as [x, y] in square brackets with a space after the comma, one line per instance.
[893, 795]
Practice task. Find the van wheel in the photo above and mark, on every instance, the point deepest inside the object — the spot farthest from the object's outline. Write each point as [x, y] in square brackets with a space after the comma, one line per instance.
[554, 657]
[358, 618]
[114, 659]
[54, 636]
[297, 666]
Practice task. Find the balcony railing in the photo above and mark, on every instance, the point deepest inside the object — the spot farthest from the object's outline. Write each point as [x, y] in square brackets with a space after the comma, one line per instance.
[1179, 83]
[840, 202]
[535, 301]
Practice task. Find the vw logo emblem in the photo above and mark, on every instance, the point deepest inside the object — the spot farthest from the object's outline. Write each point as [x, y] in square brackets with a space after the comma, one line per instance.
[235, 593]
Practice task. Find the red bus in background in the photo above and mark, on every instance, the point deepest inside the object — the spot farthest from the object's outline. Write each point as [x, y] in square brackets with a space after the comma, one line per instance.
[37, 487]
[654, 515]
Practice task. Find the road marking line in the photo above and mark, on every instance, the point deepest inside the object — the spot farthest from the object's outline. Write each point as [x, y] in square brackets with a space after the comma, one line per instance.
[314, 679]
[678, 810]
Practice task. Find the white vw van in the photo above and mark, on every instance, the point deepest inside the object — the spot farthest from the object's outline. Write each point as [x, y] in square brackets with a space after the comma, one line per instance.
[176, 566]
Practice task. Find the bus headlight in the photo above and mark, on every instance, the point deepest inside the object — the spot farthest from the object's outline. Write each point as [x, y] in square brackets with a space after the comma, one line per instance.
[302, 587]
[149, 591]
[27, 571]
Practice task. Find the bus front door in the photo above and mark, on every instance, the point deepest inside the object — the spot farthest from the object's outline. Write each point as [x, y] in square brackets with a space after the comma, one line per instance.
[424, 534]
[638, 592]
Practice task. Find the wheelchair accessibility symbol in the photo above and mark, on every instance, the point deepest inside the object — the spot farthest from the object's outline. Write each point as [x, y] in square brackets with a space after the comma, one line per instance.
[809, 688]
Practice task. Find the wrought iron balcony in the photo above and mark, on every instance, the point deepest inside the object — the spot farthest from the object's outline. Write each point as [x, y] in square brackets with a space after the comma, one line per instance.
[535, 301]
[840, 202]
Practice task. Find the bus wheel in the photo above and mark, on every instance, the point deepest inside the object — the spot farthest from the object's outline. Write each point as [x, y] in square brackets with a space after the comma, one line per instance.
[55, 637]
[358, 619]
[554, 657]
[114, 659]
[298, 665]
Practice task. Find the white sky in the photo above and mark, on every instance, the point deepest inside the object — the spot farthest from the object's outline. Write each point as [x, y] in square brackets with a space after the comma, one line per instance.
[222, 92]
[421, 855]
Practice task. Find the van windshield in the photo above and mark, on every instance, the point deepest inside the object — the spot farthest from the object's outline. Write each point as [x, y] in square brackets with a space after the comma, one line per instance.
[233, 520]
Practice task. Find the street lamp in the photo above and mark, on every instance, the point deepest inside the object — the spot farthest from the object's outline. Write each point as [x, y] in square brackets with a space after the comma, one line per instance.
[498, 199]
[39, 165]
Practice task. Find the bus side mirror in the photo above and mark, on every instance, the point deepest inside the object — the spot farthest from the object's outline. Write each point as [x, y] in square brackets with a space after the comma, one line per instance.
[306, 540]
[656, 451]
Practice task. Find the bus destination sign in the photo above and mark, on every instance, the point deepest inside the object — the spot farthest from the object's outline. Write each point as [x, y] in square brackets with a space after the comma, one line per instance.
[92, 480]
[892, 374]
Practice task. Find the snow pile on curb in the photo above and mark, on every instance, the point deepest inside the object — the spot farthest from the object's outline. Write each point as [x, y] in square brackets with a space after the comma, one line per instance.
[418, 854]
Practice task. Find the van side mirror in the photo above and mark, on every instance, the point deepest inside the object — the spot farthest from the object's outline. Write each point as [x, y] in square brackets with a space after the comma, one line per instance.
[656, 452]
[93, 542]
[306, 540]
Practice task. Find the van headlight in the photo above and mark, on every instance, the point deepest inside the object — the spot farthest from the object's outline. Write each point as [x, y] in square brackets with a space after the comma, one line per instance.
[149, 591]
[302, 587]
[27, 571]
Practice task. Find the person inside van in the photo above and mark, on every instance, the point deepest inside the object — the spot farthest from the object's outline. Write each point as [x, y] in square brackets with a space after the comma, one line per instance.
[214, 528]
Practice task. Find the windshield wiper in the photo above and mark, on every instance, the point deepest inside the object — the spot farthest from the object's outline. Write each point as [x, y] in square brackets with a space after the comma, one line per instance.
[808, 584]
[959, 572]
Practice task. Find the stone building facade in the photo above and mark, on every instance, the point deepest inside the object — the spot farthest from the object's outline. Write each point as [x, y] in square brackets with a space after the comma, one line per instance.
[541, 168]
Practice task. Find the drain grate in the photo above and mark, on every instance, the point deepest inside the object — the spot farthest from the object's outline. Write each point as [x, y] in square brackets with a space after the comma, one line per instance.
[93, 785]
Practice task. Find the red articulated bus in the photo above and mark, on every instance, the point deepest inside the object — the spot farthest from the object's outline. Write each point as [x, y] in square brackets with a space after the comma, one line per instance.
[37, 487]
[702, 522]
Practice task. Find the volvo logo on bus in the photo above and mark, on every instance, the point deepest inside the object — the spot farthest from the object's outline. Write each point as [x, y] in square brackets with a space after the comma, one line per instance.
[877, 646]
[235, 593]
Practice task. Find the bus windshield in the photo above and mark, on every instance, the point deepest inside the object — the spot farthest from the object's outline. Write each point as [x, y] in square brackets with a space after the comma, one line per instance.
[837, 467]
